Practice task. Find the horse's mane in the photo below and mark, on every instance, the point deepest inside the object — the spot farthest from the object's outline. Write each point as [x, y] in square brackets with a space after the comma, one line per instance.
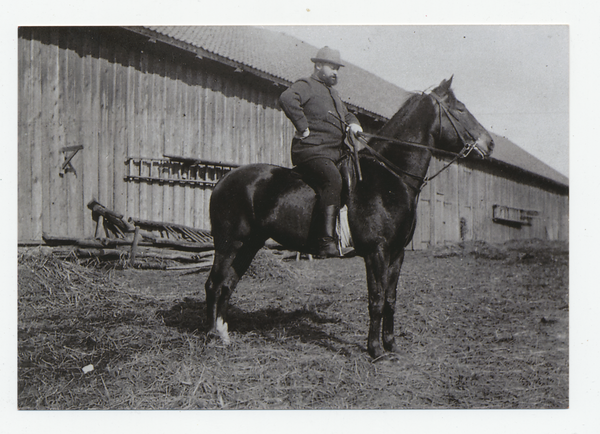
[414, 113]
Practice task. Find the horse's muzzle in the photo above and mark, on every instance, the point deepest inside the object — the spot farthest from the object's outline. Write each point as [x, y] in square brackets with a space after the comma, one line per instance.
[483, 148]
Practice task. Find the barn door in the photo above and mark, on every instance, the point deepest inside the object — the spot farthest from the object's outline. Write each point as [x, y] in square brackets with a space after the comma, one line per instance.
[446, 227]
[465, 204]
[439, 229]
[422, 236]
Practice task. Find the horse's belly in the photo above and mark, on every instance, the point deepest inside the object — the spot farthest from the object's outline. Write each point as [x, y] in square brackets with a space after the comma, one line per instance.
[289, 222]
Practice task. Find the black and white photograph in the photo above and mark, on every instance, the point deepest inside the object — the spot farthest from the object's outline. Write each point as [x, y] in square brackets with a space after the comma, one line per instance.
[239, 219]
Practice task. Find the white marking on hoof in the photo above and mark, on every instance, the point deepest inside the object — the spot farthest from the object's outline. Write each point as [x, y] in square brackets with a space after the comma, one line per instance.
[222, 330]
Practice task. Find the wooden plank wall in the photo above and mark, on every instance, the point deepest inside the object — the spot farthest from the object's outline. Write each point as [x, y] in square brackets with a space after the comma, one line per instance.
[120, 96]
[457, 206]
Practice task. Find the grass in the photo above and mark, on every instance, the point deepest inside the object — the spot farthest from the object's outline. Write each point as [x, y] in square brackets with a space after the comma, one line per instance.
[481, 326]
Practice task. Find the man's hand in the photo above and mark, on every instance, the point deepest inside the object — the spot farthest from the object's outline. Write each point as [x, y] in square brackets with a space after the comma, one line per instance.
[354, 128]
[357, 142]
[303, 134]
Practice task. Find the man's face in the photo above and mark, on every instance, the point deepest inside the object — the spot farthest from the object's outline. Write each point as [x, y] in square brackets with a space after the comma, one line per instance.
[327, 73]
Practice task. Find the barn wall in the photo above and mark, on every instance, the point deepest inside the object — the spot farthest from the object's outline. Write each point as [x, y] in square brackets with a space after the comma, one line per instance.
[120, 96]
[458, 206]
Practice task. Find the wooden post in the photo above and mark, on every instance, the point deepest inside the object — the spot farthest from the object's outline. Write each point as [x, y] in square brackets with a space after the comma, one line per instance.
[134, 246]
[99, 226]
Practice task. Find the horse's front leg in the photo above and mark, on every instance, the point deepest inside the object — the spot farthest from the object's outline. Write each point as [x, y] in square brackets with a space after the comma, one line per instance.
[389, 305]
[376, 271]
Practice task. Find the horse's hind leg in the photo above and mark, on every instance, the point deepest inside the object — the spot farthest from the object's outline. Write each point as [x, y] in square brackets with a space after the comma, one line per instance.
[218, 283]
[227, 270]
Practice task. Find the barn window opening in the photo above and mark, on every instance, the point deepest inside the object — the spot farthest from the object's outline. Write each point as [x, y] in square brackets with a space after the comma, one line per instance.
[513, 216]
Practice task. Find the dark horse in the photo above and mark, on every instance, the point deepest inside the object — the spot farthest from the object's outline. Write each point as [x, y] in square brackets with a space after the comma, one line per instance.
[256, 202]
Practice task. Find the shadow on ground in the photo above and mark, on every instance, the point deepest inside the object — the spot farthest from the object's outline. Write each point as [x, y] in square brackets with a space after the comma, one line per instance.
[189, 316]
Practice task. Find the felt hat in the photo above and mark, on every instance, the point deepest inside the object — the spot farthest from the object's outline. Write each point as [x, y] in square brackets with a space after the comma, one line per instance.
[328, 55]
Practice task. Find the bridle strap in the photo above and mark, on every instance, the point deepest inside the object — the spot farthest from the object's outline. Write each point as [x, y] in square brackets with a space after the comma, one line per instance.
[391, 167]
[403, 142]
[466, 147]
[396, 141]
[465, 151]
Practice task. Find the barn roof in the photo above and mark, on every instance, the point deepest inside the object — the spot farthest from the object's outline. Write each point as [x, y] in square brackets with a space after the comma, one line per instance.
[284, 59]
[508, 152]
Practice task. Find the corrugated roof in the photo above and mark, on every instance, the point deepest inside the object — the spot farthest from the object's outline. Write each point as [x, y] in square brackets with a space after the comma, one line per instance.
[286, 59]
[508, 152]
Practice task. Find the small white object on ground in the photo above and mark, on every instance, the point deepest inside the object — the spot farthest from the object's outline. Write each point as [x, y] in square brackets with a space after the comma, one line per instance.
[88, 368]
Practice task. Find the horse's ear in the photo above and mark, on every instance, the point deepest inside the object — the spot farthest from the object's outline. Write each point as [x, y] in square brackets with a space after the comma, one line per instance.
[444, 86]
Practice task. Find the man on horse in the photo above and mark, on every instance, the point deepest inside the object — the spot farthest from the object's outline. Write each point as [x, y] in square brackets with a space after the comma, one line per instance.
[322, 123]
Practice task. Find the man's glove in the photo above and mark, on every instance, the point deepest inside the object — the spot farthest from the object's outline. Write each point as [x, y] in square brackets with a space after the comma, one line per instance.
[354, 128]
[352, 139]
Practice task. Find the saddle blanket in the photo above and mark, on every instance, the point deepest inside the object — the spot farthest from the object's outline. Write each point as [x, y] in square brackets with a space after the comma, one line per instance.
[343, 229]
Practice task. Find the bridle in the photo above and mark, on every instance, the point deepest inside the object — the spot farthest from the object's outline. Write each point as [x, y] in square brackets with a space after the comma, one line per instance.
[468, 146]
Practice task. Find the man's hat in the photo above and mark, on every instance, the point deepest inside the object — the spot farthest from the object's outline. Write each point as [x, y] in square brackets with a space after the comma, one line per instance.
[328, 55]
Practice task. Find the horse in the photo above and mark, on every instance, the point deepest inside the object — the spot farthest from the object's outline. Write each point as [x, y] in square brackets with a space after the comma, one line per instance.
[260, 201]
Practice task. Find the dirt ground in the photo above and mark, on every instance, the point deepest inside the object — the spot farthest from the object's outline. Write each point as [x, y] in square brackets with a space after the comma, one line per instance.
[479, 325]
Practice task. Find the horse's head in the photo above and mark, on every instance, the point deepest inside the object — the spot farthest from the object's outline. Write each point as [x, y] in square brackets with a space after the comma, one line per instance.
[456, 129]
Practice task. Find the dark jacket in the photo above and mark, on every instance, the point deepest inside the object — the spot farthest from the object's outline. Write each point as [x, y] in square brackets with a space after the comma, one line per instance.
[307, 104]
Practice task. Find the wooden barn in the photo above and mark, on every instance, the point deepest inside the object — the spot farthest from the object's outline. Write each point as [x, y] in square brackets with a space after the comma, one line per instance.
[145, 120]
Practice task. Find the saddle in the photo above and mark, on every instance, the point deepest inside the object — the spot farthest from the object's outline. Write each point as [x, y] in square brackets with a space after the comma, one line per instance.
[348, 170]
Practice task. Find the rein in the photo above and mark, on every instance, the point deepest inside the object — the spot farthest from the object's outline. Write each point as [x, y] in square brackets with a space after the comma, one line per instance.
[402, 142]
[395, 170]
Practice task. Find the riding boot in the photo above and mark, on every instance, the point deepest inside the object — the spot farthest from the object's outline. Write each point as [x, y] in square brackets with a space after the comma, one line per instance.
[327, 243]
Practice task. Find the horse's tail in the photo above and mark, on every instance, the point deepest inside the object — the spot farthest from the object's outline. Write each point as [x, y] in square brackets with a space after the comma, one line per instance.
[231, 207]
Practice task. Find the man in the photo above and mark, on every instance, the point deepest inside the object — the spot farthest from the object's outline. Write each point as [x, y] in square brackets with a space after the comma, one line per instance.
[322, 121]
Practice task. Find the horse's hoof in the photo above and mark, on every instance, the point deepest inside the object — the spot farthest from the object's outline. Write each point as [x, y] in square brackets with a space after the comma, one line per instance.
[219, 330]
[211, 335]
[222, 330]
[392, 348]
[376, 352]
